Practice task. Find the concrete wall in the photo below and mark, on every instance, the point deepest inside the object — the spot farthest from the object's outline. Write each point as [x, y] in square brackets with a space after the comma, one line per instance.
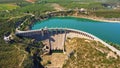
[43, 34]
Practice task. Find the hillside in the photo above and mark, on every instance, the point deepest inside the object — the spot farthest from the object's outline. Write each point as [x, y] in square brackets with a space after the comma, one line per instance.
[90, 54]
[80, 53]
[11, 1]
[10, 56]
[103, 1]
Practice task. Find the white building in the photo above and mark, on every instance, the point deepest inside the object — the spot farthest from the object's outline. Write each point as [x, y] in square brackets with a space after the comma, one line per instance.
[8, 38]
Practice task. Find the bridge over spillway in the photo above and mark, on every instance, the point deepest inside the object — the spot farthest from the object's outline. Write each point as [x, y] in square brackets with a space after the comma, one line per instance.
[55, 37]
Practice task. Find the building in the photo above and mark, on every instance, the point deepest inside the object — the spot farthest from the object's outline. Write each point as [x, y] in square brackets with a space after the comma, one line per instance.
[8, 37]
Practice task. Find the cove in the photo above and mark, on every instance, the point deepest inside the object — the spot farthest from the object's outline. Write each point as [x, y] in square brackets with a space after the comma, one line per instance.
[103, 30]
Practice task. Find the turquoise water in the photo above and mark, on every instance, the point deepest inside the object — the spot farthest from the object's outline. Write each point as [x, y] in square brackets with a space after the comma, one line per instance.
[104, 30]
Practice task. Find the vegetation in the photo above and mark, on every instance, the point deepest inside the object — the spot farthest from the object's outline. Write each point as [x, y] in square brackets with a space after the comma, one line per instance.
[11, 1]
[74, 5]
[15, 12]
[91, 54]
[36, 8]
[8, 6]
[108, 13]
[88, 1]
[9, 56]
[117, 46]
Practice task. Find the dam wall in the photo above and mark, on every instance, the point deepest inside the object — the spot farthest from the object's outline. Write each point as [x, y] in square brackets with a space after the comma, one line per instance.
[60, 33]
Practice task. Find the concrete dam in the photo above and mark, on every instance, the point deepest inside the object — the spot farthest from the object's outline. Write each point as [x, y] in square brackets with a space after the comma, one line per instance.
[54, 38]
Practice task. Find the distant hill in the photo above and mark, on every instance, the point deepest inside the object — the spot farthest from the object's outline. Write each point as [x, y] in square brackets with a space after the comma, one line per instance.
[97, 0]
[110, 1]
[14, 1]
[85, 0]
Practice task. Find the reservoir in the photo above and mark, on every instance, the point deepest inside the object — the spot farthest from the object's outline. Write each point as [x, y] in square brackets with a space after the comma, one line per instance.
[104, 30]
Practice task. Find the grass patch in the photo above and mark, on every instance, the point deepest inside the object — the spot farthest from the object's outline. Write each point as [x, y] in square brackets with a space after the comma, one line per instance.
[8, 6]
[11, 1]
[10, 57]
[108, 13]
[74, 5]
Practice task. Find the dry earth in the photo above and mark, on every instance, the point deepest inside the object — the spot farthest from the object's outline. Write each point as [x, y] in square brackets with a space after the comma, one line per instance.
[31, 1]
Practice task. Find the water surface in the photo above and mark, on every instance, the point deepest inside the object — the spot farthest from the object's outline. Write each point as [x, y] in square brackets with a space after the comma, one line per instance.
[104, 30]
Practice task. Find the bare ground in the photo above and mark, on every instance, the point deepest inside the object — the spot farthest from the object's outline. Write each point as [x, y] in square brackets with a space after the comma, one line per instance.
[31, 1]
[57, 7]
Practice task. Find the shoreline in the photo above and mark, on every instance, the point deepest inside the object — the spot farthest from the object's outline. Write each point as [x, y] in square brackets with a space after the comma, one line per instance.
[96, 19]
[90, 17]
